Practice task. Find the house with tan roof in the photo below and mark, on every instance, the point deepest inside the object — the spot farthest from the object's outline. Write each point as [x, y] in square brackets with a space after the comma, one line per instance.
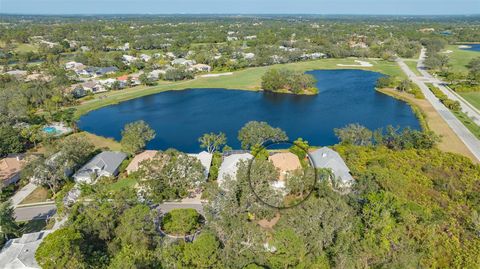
[134, 165]
[10, 168]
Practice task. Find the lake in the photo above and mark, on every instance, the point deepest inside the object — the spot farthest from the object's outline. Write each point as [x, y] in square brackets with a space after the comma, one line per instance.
[473, 47]
[181, 117]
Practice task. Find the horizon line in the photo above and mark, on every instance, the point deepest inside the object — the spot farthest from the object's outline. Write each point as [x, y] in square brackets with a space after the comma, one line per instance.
[231, 14]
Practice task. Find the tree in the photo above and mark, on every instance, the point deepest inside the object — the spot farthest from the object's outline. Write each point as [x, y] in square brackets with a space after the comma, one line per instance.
[474, 69]
[181, 221]
[385, 82]
[61, 249]
[169, 175]
[212, 142]
[289, 249]
[405, 85]
[135, 136]
[203, 252]
[300, 148]
[257, 133]
[10, 140]
[131, 257]
[354, 134]
[8, 226]
[137, 228]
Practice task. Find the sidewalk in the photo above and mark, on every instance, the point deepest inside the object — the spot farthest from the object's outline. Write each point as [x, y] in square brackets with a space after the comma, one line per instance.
[18, 197]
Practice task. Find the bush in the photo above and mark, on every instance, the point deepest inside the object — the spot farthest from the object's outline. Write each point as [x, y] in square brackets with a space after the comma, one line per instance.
[385, 82]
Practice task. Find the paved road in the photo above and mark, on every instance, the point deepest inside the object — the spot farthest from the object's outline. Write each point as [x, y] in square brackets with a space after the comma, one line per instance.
[18, 197]
[35, 212]
[467, 108]
[472, 143]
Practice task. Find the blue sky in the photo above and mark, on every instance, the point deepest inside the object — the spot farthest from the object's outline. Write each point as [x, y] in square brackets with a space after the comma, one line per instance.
[414, 7]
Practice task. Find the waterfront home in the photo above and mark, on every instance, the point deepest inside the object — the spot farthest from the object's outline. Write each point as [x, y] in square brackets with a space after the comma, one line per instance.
[106, 70]
[74, 66]
[18, 74]
[93, 86]
[229, 166]
[183, 61]
[285, 162]
[330, 159]
[145, 57]
[205, 159]
[127, 59]
[10, 168]
[105, 164]
[155, 74]
[202, 68]
[19, 253]
[135, 164]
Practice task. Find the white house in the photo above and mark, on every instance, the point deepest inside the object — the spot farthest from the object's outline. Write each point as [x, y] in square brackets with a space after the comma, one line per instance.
[183, 61]
[74, 65]
[127, 59]
[330, 159]
[229, 166]
[202, 68]
[206, 159]
[104, 164]
[19, 253]
[145, 57]
[249, 55]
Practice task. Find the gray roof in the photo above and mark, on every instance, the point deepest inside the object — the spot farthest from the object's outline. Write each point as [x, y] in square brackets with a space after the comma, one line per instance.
[328, 158]
[20, 252]
[229, 166]
[205, 159]
[105, 163]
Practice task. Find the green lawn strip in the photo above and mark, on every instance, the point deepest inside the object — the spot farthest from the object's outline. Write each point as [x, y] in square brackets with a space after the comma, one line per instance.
[247, 79]
[122, 183]
[468, 122]
[413, 66]
[472, 97]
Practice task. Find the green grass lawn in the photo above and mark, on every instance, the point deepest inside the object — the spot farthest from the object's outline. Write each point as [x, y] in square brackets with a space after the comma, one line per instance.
[101, 142]
[247, 79]
[22, 48]
[40, 194]
[472, 97]
[122, 183]
[412, 64]
[468, 122]
[459, 58]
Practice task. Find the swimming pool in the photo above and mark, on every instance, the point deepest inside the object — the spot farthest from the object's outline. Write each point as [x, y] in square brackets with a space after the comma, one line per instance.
[50, 130]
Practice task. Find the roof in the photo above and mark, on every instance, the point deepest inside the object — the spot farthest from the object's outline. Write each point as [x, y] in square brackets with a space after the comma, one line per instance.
[205, 158]
[20, 252]
[229, 165]
[90, 84]
[135, 163]
[11, 165]
[328, 158]
[285, 161]
[105, 70]
[106, 162]
[123, 78]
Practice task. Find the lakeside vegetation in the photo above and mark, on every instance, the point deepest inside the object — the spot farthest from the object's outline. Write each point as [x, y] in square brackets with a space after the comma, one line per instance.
[288, 81]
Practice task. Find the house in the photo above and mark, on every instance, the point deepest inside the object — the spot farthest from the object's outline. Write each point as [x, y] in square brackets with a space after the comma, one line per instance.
[18, 74]
[285, 162]
[249, 55]
[93, 86]
[127, 59]
[78, 92]
[202, 68]
[155, 74]
[10, 168]
[106, 70]
[125, 47]
[89, 71]
[330, 159]
[134, 165]
[74, 66]
[19, 253]
[183, 61]
[205, 159]
[229, 166]
[145, 57]
[105, 164]
[250, 37]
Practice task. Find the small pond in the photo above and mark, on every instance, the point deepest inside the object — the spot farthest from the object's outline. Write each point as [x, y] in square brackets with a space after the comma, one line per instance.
[181, 117]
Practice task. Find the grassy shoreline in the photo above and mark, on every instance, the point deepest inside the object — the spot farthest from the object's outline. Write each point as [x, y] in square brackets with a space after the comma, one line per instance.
[247, 79]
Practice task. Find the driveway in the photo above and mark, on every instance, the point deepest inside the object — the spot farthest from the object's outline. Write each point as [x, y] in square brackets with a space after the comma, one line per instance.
[18, 197]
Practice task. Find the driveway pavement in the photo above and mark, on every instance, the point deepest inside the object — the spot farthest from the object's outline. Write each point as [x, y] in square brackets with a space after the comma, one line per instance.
[18, 197]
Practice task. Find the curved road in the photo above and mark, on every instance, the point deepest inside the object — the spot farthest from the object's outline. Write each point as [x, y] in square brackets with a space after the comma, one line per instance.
[472, 143]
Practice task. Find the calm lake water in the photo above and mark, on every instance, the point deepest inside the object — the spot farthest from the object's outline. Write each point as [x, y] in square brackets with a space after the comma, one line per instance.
[474, 47]
[181, 117]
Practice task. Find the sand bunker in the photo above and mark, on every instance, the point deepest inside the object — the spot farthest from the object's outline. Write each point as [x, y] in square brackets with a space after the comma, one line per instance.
[216, 75]
[360, 64]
